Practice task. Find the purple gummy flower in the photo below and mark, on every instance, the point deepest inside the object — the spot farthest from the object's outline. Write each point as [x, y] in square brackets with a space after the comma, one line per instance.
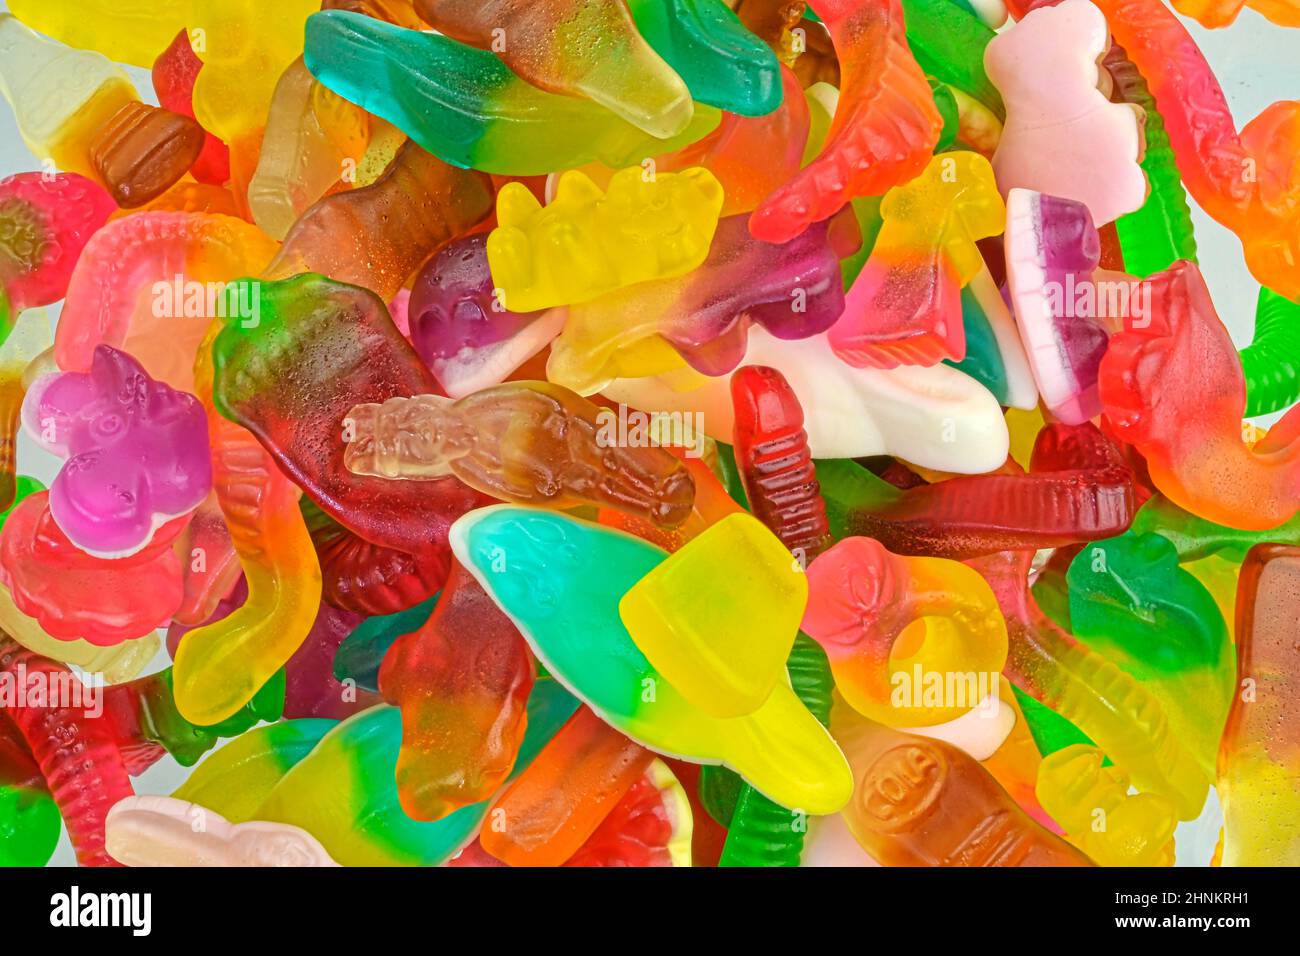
[136, 450]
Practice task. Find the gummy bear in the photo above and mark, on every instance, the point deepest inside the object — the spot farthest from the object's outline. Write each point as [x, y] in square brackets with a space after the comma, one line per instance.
[584, 244]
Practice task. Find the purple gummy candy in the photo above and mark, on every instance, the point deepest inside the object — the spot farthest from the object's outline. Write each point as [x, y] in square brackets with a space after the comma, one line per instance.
[1061, 306]
[794, 290]
[453, 305]
[136, 450]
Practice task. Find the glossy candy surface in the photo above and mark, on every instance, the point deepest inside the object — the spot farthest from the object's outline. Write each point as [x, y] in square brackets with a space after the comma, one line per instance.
[600, 433]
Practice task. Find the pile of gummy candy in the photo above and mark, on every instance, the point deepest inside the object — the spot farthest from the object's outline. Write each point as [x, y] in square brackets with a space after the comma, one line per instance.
[644, 432]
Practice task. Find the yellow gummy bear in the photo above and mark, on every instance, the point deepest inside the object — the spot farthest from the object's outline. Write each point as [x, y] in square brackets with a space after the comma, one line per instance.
[1099, 815]
[718, 617]
[586, 243]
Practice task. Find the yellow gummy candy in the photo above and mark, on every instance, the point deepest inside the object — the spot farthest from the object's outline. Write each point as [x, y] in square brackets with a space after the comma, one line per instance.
[586, 243]
[1099, 815]
[718, 617]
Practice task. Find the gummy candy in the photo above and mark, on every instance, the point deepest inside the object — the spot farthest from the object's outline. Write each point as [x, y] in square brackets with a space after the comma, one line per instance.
[1190, 433]
[587, 48]
[136, 450]
[164, 831]
[884, 128]
[1243, 180]
[527, 442]
[1064, 137]
[905, 305]
[642, 433]
[1256, 775]
[77, 754]
[792, 290]
[74, 594]
[462, 698]
[922, 802]
[96, 126]
[45, 223]
[1091, 497]
[312, 135]
[497, 123]
[401, 218]
[221, 666]
[584, 244]
[149, 285]
[779, 748]
[725, 652]
[851, 413]
[722, 63]
[460, 327]
[869, 608]
[1100, 817]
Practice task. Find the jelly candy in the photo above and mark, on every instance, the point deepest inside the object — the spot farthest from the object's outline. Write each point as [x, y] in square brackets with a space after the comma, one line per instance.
[1190, 433]
[164, 831]
[527, 442]
[905, 306]
[312, 136]
[584, 244]
[775, 464]
[149, 285]
[499, 123]
[319, 348]
[590, 766]
[585, 48]
[1063, 136]
[364, 824]
[563, 610]
[221, 666]
[400, 219]
[462, 681]
[908, 412]
[1100, 817]
[95, 124]
[882, 619]
[136, 450]
[1131, 602]
[245, 47]
[884, 129]
[722, 63]
[1256, 778]
[922, 802]
[792, 290]
[1246, 180]
[1089, 496]
[45, 222]
[74, 594]
[460, 326]
[77, 753]
[1064, 310]
[723, 646]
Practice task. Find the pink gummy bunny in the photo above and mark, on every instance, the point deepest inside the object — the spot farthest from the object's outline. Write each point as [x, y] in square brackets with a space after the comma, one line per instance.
[1063, 136]
[136, 449]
